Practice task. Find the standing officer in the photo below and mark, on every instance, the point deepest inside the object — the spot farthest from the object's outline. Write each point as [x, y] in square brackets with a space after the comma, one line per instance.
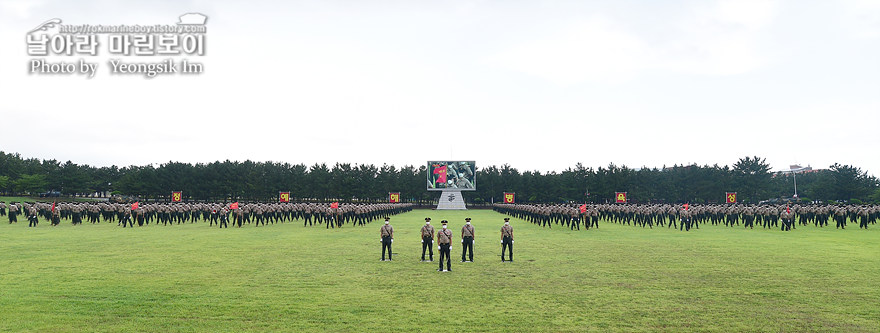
[224, 218]
[507, 239]
[387, 234]
[685, 215]
[444, 238]
[467, 240]
[32, 216]
[13, 213]
[428, 239]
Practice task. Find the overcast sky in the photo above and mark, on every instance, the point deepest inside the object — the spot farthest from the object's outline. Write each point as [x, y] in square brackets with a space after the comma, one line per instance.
[540, 85]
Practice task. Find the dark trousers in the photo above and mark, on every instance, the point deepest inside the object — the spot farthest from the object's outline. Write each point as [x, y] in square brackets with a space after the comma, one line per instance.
[32, 221]
[467, 244]
[428, 244]
[506, 244]
[444, 253]
[224, 223]
[386, 243]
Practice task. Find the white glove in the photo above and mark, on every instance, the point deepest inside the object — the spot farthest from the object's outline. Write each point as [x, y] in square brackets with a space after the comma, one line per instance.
[511, 242]
[462, 240]
[392, 240]
[502, 242]
[438, 247]
[423, 241]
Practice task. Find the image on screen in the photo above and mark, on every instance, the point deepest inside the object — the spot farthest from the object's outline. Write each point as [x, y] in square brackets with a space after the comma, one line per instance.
[452, 175]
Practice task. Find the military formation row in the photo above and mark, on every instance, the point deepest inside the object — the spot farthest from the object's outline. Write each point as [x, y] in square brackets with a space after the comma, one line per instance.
[687, 216]
[331, 215]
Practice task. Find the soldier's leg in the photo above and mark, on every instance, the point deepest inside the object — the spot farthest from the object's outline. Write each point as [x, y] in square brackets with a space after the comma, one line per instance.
[440, 249]
[448, 259]
[425, 246]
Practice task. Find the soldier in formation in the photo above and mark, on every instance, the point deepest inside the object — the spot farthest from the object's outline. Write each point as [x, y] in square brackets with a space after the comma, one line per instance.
[444, 241]
[427, 233]
[386, 234]
[467, 240]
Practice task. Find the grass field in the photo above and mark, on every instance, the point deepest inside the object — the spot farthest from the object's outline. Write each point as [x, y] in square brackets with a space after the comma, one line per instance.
[192, 278]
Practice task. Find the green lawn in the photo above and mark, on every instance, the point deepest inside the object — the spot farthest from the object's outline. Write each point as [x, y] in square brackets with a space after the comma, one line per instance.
[193, 278]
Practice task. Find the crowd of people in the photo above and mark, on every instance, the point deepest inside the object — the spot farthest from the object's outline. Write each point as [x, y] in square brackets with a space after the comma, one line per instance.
[687, 216]
[219, 214]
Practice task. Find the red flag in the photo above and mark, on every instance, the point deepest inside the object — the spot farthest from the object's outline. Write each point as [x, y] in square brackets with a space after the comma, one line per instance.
[509, 197]
[788, 209]
[583, 208]
[394, 197]
[284, 196]
[441, 172]
[53, 206]
[686, 206]
[233, 205]
[135, 205]
[176, 196]
[620, 197]
[334, 205]
[731, 197]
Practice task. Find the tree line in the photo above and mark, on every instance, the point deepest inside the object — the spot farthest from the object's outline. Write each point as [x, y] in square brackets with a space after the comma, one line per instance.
[750, 177]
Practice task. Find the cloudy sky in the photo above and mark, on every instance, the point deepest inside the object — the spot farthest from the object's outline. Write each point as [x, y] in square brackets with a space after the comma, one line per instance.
[540, 85]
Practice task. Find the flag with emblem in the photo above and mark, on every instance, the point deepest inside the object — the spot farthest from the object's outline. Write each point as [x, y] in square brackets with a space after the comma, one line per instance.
[334, 205]
[135, 205]
[283, 196]
[509, 197]
[620, 197]
[393, 197]
[176, 196]
[583, 208]
[233, 205]
[440, 171]
[731, 197]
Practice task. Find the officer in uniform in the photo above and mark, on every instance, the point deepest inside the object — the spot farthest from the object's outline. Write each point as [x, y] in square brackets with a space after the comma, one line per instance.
[507, 239]
[386, 232]
[224, 218]
[685, 216]
[467, 240]
[444, 238]
[13, 213]
[428, 239]
[32, 216]
[56, 217]
[786, 217]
